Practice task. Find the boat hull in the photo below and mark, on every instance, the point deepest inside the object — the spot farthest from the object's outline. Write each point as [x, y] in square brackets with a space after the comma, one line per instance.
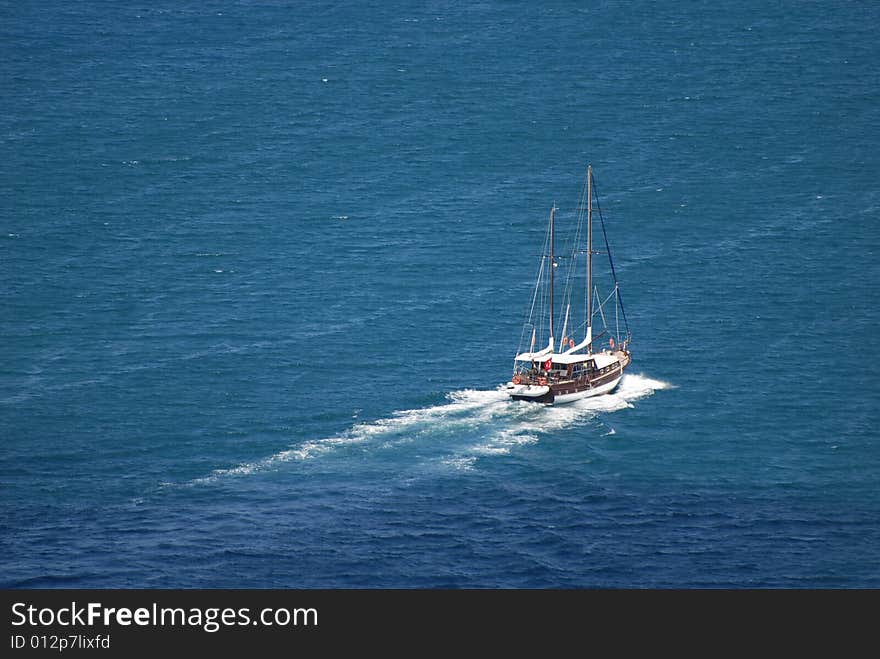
[569, 390]
[599, 390]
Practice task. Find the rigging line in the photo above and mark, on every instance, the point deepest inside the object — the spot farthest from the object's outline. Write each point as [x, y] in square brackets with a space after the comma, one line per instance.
[539, 303]
[529, 320]
[616, 317]
[582, 212]
[573, 264]
[539, 299]
[575, 330]
[537, 278]
[539, 275]
[610, 295]
[579, 227]
[570, 275]
[537, 288]
[601, 309]
[610, 259]
[547, 291]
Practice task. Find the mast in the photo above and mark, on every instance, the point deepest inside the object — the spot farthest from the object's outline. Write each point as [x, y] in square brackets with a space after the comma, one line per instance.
[552, 263]
[589, 256]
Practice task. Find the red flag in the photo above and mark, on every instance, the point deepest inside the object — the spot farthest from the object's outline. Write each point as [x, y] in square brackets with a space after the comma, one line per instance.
[548, 364]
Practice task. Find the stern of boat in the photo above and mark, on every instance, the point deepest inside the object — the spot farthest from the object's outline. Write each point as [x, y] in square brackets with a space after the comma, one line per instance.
[534, 393]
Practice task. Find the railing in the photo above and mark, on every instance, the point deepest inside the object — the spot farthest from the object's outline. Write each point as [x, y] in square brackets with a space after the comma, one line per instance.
[541, 377]
[544, 378]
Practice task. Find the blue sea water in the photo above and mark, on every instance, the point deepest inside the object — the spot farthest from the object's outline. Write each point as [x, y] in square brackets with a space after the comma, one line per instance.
[263, 266]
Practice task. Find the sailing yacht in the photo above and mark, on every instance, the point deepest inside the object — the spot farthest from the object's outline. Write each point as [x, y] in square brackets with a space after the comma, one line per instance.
[581, 364]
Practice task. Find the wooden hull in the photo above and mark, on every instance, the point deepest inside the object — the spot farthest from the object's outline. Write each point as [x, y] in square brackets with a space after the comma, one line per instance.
[567, 391]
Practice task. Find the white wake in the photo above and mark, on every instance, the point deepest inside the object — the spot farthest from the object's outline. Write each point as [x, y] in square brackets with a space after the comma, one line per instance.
[489, 416]
[529, 421]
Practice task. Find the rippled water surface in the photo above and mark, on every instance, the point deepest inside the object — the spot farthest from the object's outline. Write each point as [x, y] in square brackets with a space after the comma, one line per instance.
[263, 269]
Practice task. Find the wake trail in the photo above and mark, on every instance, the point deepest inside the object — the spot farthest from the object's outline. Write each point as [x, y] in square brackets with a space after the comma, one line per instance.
[489, 416]
[529, 421]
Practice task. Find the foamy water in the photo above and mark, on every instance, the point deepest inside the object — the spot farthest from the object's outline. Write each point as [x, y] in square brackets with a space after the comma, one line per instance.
[499, 424]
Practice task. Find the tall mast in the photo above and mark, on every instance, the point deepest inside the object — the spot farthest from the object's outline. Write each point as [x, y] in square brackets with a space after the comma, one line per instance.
[590, 254]
[552, 262]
